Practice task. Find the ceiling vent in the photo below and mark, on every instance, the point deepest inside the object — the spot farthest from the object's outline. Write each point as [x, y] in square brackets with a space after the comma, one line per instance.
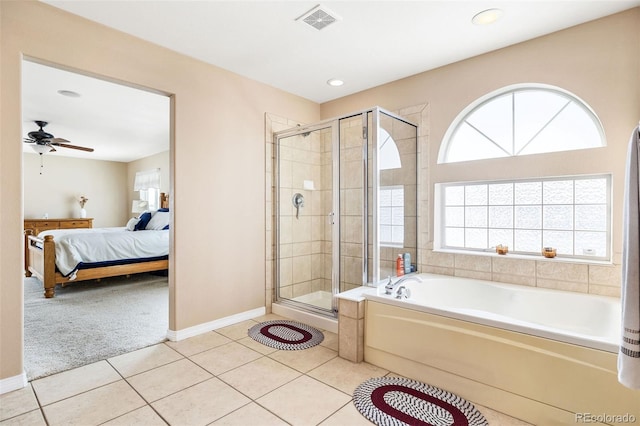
[319, 17]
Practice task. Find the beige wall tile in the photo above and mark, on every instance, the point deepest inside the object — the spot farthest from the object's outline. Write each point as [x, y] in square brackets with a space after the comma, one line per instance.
[348, 338]
[561, 271]
[439, 259]
[605, 275]
[472, 263]
[503, 265]
[563, 285]
[604, 290]
[478, 275]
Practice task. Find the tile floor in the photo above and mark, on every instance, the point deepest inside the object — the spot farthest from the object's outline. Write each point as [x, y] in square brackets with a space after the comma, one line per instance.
[220, 378]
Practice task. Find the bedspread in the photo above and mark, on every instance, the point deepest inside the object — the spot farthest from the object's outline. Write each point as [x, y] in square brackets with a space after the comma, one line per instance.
[95, 245]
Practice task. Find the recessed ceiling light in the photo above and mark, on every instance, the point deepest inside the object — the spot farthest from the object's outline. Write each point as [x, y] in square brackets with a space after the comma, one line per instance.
[487, 17]
[69, 93]
[335, 82]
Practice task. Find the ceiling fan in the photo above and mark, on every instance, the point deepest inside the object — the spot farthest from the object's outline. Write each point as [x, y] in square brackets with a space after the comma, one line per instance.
[46, 142]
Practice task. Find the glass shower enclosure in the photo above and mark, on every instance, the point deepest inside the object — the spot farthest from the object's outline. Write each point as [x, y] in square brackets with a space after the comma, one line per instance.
[345, 194]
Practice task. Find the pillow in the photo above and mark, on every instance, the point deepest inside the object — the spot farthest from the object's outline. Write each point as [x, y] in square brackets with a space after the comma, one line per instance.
[131, 225]
[158, 221]
[142, 223]
[164, 209]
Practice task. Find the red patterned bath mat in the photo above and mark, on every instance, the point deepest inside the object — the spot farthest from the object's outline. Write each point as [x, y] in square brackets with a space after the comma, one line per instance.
[286, 335]
[398, 401]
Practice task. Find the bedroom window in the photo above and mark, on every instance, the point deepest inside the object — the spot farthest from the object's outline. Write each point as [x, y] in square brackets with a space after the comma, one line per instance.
[521, 120]
[571, 214]
[148, 183]
[392, 215]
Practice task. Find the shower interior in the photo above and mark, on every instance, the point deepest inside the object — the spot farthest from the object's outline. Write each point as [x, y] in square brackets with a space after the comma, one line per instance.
[346, 206]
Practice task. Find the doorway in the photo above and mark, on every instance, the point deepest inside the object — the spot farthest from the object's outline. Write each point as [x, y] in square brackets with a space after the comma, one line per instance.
[120, 123]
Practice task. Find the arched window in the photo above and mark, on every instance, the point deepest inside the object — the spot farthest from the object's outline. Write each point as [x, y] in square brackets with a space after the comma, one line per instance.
[521, 120]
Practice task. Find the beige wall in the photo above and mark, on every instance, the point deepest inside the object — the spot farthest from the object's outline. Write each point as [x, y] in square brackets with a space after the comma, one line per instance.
[63, 179]
[598, 61]
[160, 161]
[215, 230]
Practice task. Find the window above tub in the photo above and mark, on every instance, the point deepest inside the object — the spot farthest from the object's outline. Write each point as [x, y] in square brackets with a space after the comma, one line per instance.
[571, 214]
[521, 120]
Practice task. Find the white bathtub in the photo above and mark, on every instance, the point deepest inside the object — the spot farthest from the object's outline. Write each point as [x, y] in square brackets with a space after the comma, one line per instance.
[544, 356]
[582, 319]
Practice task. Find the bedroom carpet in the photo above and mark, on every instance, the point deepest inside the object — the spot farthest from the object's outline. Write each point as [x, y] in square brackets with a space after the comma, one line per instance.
[91, 321]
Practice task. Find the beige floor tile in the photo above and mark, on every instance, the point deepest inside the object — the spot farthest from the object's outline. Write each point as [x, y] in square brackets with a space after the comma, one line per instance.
[256, 346]
[305, 360]
[32, 418]
[259, 377]
[304, 401]
[237, 331]
[251, 414]
[347, 415]
[17, 402]
[269, 317]
[200, 404]
[95, 406]
[496, 418]
[224, 358]
[73, 382]
[144, 416]
[144, 359]
[330, 340]
[167, 379]
[346, 375]
[199, 343]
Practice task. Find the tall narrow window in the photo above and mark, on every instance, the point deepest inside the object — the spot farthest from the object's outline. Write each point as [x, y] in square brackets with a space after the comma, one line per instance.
[392, 215]
[521, 120]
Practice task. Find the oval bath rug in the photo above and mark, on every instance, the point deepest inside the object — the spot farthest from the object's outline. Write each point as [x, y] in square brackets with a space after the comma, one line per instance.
[286, 335]
[399, 401]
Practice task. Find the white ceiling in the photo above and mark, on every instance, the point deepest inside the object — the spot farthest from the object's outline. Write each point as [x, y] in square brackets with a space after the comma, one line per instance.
[372, 42]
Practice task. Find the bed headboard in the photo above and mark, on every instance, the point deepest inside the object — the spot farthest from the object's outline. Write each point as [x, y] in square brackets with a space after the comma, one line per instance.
[164, 200]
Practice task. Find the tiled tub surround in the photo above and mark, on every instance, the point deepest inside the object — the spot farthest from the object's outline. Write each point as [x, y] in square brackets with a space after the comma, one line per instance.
[600, 279]
[529, 367]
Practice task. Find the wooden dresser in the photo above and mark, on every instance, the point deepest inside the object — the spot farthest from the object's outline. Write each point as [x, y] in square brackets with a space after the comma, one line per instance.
[38, 225]
[35, 226]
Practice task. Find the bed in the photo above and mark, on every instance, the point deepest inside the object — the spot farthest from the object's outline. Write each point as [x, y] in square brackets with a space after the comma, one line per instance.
[94, 253]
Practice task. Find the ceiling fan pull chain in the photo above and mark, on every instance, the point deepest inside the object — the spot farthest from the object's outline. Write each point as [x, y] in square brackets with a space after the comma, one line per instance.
[41, 163]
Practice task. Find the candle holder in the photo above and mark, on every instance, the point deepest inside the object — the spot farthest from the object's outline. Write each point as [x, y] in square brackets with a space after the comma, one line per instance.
[500, 249]
[549, 252]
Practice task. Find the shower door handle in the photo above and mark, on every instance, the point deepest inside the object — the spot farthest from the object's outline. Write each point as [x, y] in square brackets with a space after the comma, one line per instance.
[331, 216]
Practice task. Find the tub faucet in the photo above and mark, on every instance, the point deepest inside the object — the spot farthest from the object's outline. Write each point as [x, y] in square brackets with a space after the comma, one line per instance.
[403, 293]
[390, 287]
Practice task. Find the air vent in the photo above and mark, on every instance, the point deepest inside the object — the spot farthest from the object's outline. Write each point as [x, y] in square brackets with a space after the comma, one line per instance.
[319, 17]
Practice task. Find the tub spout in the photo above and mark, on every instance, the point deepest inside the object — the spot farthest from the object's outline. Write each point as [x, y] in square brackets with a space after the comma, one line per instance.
[390, 287]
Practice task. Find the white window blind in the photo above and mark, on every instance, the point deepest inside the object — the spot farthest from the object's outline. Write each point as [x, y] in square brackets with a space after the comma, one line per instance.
[147, 179]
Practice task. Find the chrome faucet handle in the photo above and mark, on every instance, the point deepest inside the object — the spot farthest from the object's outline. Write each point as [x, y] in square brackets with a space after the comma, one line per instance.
[389, 286]
[403, 293]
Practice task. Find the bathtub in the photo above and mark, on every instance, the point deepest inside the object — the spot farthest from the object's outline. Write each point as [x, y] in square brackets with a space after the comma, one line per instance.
[544, 356]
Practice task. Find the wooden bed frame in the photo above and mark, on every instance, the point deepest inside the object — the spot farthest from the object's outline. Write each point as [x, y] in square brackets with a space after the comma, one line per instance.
[41, 262]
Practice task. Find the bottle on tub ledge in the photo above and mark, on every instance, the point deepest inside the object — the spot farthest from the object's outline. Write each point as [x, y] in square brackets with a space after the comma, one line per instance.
[406, 259]
[400, 265]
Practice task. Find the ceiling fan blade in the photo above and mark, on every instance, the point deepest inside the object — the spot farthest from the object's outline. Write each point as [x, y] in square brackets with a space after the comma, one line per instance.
[27, 140]
[81, 148]
[57, 141]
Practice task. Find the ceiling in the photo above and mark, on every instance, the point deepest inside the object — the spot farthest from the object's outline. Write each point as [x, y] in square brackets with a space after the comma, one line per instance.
[369, 44]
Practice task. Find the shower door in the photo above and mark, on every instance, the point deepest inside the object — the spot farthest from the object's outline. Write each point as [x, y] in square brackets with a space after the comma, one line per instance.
[306, 215]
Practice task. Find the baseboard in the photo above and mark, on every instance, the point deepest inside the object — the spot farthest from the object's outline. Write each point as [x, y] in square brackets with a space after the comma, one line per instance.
[178, 335]
[13, 383]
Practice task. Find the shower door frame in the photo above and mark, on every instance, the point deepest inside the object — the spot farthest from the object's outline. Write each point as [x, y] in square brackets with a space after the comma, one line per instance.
[333, 217]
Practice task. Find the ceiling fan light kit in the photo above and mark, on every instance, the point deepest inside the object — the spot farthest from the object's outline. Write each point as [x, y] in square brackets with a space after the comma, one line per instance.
[44, 142]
